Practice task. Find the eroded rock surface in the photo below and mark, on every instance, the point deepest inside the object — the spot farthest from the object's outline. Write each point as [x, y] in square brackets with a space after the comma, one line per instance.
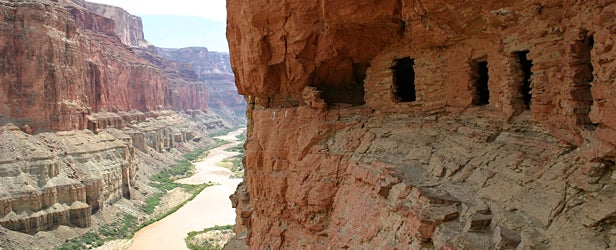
[64, 63]
[62, 178]
[426, 124]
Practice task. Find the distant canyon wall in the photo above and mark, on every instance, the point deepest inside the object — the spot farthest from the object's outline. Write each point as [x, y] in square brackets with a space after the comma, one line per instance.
[67, 59]
[426, 124]
[214, 69]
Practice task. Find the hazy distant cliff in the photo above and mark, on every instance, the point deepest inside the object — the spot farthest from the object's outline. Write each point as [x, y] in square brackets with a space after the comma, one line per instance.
[128, 28]
[214, 69]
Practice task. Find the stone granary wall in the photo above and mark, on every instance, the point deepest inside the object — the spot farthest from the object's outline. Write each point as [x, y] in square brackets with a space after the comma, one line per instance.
[435, 124]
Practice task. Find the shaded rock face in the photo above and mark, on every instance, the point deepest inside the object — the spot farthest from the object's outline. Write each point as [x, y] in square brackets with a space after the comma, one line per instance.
[426, 124]
[186, 91]
[128, 28]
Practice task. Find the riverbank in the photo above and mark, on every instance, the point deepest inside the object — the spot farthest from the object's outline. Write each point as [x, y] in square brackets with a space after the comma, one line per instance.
[209, 208]
[174, 199]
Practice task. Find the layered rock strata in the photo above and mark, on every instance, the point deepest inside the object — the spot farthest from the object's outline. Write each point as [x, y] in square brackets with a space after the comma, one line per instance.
[199, 79]
[128, 28]
[62, 178]
[426, 124]
[64, 61]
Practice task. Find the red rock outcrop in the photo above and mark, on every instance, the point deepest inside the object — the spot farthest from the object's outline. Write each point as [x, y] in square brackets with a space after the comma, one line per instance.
[128, 28]
[89, 66]
[448, 124]
[61, 64]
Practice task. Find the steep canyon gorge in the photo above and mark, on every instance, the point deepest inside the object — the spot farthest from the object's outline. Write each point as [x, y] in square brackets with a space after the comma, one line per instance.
[426, 124]
[372, 124]
[89, 111]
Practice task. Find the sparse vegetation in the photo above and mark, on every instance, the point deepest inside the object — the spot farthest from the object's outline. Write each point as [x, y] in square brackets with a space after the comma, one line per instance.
[238, 148]
[165, 180]
[241, 137]
[127, 225]
[122, 228]
[223, 132]
[206, 244]
[152, 202]
[234, 164]
[194, 189]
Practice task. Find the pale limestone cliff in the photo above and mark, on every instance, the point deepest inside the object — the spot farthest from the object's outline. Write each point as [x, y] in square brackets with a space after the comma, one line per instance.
[62, 178]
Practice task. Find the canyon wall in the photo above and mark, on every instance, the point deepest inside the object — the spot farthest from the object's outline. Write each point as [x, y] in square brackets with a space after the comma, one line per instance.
[64, 61]
[214, 69]
[426, 124]
[88, 112]
[127, 27]
[199, 79]
[63, 178]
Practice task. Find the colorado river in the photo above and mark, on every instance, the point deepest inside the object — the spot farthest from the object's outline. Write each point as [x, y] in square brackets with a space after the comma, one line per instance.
[209, 208]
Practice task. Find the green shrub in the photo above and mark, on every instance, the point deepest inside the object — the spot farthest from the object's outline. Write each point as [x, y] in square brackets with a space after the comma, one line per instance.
[152, 202]
[207, 245]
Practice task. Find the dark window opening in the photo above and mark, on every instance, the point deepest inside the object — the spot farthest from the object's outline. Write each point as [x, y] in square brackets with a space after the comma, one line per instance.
[404, 79]
[481, 78]
[582, 81]
[526, 66]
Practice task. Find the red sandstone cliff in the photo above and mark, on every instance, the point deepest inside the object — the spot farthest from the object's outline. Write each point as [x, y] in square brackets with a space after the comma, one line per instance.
[61, 64]
[199, 79]
[426, 124]
[85, 64]
[127, 27]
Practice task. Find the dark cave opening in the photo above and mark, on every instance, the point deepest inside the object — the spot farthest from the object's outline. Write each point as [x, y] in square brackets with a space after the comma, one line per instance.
[481, 79]
[526, 66]
[347, 94]
[404, 79]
